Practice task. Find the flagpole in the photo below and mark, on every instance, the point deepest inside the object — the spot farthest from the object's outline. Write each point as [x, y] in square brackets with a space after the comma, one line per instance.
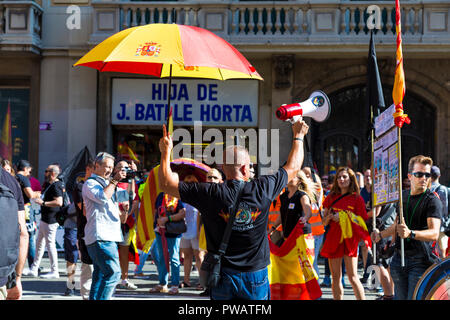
[398, 93]
[400, 195]
[374, 223]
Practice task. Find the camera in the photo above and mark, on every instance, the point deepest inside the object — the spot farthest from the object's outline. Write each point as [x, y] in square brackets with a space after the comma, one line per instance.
[131, 174]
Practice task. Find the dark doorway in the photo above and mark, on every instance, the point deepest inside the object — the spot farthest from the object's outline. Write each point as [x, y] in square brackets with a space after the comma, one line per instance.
[344, 139]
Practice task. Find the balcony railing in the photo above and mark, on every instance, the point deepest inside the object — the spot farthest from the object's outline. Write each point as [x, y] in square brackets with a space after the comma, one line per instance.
[20, 26]
[291, 21]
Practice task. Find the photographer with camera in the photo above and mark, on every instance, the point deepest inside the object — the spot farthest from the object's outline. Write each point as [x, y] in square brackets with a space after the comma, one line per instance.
[128, 221]
[101, 198]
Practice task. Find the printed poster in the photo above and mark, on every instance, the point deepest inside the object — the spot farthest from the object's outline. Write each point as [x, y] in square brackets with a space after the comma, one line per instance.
[386, 175]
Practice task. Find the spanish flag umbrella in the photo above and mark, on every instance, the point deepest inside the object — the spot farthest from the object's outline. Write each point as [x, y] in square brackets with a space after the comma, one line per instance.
[166, 50]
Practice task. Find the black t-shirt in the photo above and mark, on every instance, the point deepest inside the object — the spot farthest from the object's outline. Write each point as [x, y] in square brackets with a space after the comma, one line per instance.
[56, 189]
[248, 247]
[81, 219]
[24, 183]
[291, 210]
[9, 181]
[428, 207]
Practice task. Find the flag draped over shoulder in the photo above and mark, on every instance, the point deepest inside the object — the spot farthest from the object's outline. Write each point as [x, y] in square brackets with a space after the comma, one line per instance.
[375, 97]
[399, 82]
[291, 272]
[6, 138]
[145, 231]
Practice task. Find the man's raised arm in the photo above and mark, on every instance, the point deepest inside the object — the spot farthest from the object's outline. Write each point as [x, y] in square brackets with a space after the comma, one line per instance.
[295, 158]
[168, 181]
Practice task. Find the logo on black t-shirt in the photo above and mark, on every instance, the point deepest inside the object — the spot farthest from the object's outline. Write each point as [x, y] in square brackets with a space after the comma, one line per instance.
[244, 218]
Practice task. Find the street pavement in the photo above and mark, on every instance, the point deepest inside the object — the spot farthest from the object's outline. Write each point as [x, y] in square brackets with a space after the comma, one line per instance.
[53, 289]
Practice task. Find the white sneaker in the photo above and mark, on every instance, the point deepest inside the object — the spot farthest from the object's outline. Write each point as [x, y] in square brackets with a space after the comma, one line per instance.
[51, 275]
[127, 285]
[30, 272]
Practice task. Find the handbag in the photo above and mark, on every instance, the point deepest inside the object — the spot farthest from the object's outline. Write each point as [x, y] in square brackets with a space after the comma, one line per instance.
[176, 227]
[211, 266]
[277, 237]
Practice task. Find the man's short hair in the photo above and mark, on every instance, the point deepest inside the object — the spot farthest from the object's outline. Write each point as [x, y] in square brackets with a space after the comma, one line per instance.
[435, 172]
[101, 156]
[90, 163]
[54, 168]
[236, 155]
[419, 159]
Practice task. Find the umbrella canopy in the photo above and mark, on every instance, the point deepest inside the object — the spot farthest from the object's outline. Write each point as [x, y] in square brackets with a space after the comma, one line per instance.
[165, 50]
[186, 166]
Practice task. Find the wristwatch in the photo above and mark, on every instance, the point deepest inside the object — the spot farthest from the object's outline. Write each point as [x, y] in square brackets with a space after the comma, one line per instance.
[412, 235]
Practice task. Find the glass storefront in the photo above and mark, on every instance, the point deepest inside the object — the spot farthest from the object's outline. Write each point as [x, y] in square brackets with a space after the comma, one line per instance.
[19, 101]
[143, 143]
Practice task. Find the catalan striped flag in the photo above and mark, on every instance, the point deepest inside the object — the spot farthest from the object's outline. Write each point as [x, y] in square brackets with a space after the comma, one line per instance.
[291, 272]
[399, 82]
[145, 230]
[6, 138]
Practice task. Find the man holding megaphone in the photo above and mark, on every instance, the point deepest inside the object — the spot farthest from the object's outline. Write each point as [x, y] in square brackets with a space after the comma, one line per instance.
[243, 272]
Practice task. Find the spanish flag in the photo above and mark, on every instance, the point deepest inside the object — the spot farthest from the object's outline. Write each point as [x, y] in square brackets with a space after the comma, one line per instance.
[351, 230]
[291, 272]
[399, 89]
[144, 225]
[6, 138]
[353, 227]
[124, 149]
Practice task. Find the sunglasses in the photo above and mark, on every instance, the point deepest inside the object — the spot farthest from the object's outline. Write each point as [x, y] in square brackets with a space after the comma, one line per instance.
[421, 174]
[212, 177]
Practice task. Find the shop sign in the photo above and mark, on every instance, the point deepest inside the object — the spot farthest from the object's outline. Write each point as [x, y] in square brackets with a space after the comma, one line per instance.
[231, 103]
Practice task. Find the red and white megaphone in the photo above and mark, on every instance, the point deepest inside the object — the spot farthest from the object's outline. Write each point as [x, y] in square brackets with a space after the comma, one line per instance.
[317, 107]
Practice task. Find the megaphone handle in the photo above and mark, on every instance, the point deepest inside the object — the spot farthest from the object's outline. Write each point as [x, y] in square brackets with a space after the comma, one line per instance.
[294, 119]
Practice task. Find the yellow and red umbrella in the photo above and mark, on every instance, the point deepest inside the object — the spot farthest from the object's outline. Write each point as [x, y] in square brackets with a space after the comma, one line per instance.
[166, 50]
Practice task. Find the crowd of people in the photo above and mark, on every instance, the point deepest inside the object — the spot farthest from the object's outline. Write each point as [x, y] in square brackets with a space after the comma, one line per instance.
[102, 210]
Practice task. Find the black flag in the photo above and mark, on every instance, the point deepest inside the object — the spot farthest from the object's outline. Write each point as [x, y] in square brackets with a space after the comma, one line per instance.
[375, 98]
[75, 169]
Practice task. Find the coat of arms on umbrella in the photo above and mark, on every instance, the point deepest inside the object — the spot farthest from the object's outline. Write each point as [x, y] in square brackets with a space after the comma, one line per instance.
[148, 49]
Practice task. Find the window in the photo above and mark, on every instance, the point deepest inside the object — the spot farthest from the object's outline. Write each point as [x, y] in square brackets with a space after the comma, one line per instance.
[18, 99]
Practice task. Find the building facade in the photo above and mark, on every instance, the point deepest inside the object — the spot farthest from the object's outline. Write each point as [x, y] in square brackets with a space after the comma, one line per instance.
[296, 46]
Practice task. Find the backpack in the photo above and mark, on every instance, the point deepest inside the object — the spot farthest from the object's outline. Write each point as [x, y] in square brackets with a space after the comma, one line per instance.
[9, 231]
[67, 210]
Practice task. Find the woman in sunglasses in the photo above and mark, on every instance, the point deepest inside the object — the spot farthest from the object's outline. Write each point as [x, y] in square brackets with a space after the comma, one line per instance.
[420, 227]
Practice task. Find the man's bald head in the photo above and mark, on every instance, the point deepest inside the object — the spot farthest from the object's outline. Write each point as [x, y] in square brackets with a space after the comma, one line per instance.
[236, 163]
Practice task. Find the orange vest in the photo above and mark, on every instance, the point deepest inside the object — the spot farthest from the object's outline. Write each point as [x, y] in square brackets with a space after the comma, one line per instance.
[274, 211]
[316, 220]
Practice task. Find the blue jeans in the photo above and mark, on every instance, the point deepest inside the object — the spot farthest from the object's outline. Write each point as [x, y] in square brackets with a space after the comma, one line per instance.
[242, 285]
[143, 257]
[406, 278]
[31, 247]
[173, 245]
[317, 243]
[105, 256]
